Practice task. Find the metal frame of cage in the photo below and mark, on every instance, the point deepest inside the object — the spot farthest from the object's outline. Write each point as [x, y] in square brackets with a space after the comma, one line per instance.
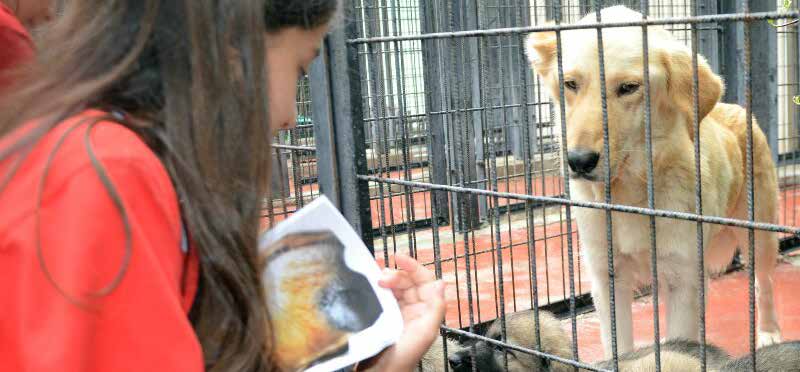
[294, 164]
[355, 135]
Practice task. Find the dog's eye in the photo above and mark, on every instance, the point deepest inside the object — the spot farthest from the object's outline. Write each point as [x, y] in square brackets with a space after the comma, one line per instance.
[571, 85]
[627, 88]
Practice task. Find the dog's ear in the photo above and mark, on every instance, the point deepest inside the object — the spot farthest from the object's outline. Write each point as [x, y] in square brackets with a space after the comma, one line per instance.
[680, 81]
[540, 48]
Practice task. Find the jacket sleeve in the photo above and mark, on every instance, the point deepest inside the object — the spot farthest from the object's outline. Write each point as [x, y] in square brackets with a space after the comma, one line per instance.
[103, 290]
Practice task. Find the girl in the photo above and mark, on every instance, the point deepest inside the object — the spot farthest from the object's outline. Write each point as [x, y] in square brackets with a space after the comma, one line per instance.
[131, 194]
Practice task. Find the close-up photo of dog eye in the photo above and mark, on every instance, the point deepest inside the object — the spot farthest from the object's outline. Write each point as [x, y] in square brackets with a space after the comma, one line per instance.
[321, 300]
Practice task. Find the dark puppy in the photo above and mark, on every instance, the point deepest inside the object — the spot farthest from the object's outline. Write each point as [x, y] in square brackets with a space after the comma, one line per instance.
[520, 331]
[434, 360]
[676, 355]
[783, 357]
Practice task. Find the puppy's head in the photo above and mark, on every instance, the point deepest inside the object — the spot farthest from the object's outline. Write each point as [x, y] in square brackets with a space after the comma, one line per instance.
[520, 331]
[671, 82]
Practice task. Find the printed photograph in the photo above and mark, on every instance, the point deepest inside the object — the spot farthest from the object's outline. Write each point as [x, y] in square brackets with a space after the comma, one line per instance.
[317, 302]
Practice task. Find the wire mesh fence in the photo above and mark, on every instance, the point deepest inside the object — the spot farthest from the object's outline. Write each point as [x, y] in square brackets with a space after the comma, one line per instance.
[788, 119]
[464, 166]
[294, 166]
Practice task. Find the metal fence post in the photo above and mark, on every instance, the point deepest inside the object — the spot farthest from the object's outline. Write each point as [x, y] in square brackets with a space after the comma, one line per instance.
[381, 145]
[731, 53]
[280, 171]
[463, 90]
[477, 162]
[792, 147]
[341, 146]
[324, 133]
[434, 102]
[764, 78]
[510, 83]
[709, 34]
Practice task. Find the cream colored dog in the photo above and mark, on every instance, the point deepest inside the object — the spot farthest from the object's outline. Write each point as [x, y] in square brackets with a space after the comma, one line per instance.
[722, 143]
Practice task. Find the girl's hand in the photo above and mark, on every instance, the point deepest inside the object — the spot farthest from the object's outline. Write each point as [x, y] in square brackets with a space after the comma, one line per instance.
[421, 299]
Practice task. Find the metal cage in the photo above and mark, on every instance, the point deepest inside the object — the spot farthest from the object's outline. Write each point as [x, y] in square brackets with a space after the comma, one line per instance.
[423, 123]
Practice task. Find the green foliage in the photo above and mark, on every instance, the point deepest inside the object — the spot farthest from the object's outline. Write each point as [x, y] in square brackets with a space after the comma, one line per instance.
[787, 4]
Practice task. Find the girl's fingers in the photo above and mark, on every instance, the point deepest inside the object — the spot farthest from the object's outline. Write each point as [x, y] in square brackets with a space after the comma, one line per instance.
[393, 279]
[398, 294]
[432, 291]
[418, 273]
[433, 295]
[412, 283]
[430, 295]
[411, 296]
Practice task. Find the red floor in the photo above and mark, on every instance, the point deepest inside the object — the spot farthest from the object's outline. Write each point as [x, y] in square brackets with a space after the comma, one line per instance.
[727, 321]
[727, 316]
[551, 273]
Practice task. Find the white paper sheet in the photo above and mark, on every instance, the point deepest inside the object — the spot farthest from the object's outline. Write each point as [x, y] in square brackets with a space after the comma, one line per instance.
[322, 292]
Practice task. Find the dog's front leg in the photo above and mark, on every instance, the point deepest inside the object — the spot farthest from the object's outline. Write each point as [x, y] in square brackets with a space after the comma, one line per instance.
[683, 304]
[623, 300]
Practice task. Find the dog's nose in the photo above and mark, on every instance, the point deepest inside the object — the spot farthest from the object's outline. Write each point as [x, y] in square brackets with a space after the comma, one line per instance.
[582, 161]
[457, 361]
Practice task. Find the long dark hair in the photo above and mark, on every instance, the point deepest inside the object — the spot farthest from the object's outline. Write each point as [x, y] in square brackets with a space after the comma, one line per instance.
[192, 73]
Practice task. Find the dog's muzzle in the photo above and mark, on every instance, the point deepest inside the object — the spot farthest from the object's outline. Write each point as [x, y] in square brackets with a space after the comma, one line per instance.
[582, 163]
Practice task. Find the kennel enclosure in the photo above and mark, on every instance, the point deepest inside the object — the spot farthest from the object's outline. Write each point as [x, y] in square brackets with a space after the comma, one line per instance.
[424, 124]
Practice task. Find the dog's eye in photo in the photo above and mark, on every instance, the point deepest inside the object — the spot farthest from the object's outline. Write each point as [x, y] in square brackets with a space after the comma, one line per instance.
[571, 85]
[627, 89]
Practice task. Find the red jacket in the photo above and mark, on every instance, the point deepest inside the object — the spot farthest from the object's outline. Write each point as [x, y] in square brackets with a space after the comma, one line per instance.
[55, 323]
[16, 46]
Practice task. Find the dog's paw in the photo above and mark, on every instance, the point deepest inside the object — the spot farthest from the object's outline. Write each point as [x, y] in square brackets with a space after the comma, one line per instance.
[768, 338]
